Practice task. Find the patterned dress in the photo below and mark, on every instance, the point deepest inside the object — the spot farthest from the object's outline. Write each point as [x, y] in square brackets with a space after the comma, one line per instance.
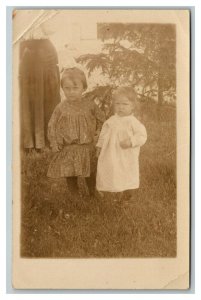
[72, 128]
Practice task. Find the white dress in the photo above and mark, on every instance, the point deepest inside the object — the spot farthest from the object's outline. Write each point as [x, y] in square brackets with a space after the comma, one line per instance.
[118, 168]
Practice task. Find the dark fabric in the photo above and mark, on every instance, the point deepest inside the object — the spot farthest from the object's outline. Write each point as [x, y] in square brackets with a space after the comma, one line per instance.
[132, 194]
[72, 185]
[91, 183]
[39, 90]
[84, 186]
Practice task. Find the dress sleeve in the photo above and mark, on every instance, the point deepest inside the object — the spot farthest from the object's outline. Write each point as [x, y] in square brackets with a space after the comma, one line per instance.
[139, 136]
[51, 133]
[102, 135]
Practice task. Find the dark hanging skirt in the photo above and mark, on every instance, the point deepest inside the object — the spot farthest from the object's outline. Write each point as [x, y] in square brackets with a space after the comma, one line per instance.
[39, 90]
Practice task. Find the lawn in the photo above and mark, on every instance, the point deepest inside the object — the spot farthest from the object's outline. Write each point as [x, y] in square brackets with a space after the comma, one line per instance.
[54, 225]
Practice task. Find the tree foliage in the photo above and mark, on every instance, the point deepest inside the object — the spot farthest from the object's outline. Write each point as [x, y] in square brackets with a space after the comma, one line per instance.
[137, 54]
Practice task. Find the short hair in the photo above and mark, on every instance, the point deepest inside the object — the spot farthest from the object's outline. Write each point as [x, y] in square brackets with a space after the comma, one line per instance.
[129, 92]
[74, 74]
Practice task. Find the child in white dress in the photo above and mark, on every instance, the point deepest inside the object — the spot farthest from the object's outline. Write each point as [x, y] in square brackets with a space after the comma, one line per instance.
[119, 144]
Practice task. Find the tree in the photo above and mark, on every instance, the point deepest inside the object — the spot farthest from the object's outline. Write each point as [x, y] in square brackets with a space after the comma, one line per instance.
[137, 53]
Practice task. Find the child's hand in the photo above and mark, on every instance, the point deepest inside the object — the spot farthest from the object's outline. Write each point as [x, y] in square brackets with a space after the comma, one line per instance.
[98, 150]
[125, 144]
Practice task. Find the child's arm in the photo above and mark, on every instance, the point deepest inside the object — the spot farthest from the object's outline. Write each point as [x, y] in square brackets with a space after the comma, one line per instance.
[139, 136]
[101, 138]
[98, 151]
[51, 134]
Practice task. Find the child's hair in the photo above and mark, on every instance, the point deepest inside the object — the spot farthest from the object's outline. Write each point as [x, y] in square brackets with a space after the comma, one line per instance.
[74, 74]
[128, 92]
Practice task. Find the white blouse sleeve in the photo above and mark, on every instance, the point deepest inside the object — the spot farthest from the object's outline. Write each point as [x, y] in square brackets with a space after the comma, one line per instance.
[102, 135]
[139, 136]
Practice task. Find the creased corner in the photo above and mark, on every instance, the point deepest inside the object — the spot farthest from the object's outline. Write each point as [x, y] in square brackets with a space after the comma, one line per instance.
[180, 282]
[37, 22]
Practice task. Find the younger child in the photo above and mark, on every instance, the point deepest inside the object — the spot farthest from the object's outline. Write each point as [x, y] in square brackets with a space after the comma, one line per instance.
[71, 132]
[119, 144]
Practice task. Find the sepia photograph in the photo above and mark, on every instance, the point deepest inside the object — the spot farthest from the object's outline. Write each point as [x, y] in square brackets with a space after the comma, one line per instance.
[97, 103]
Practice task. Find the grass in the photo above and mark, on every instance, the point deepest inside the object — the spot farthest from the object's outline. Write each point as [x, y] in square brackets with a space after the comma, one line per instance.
[54, 225]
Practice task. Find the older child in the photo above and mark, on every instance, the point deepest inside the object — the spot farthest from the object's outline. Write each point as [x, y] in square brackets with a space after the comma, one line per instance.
[71, 131]
[119, 144]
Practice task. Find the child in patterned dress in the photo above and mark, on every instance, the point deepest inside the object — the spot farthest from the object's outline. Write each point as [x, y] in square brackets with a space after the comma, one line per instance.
[71, 131]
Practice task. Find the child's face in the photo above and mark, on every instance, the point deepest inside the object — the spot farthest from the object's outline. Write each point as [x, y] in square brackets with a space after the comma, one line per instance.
[72, 89]
[122, 105]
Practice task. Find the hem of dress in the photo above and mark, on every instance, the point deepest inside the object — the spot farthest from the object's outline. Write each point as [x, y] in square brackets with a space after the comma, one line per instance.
[64, 176]
[117, 191]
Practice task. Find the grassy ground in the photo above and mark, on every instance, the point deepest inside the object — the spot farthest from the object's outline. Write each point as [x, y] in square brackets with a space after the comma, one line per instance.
[53, 225]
